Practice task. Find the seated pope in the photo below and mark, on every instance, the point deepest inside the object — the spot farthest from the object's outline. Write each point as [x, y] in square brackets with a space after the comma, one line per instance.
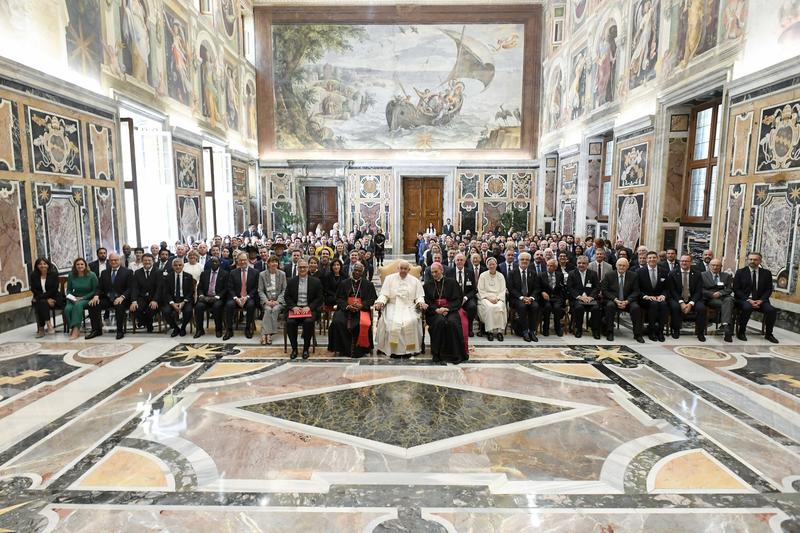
[399, 328]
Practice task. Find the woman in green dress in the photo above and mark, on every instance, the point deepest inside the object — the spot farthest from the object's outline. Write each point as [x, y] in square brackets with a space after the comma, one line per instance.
[81, 287]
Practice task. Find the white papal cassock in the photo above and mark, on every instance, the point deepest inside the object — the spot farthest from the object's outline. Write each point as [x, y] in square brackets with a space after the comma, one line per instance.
[399, 329]
[493, 316]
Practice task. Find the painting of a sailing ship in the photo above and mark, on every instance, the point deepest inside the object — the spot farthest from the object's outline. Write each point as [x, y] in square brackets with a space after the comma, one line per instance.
[398, 87]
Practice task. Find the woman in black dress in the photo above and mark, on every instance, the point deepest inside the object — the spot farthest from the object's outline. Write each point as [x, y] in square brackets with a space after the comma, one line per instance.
[46, 296]
[380, 242]
[331, 282]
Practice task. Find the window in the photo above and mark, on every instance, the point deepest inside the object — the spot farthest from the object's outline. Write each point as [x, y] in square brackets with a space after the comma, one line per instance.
[558, 24]
[208, 181]
[205, 6]
[701, 171]
[132, 228]
[605, 182]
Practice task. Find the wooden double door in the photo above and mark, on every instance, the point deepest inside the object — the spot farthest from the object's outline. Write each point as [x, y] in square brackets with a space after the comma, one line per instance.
[322, 207]
[423, 204]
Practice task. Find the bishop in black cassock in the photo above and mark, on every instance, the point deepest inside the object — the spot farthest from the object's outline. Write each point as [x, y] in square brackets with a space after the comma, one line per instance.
[443, 299]
[350, 333]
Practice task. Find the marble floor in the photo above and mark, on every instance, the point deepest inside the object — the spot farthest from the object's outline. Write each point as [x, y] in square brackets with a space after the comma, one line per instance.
[160, 434]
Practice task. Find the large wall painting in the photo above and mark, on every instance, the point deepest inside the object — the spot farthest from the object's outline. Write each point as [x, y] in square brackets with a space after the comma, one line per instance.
[84, 39]
[692, 31]
[774, 230]
[577, 92]
[407, 87]
[645, 22]
[605, 65]
[180, 68]
[55, 143]
[779, 138]
[630, 208]
[15, 261]
[483, 196]
[135, 45]
[189, 223]
[105, 222]
[187, 170]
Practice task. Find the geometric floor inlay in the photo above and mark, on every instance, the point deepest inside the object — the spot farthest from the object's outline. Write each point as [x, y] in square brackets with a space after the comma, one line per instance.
[405, 413]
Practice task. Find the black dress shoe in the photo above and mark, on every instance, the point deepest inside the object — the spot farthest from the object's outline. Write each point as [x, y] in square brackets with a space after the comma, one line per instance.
[610, 337]
[471, 334]
[560, 332]
[500, 337]
[199, 333]
[596, 336]
[661, 337]
[742, 337]
[305, 354]
[771, 338]
[639, 338]
[218, 333]
[578, 334]
[728, 337]
[526, 337]
[534, 338]
[248, 333]
[228, 335]
[545, 333]
[652, 337]
[293, 355]
[490, 337]
[93, 334]
[701, 337]
[182, 332]
[676, 334]
[150, 328]
[174, 332]
[120, 335]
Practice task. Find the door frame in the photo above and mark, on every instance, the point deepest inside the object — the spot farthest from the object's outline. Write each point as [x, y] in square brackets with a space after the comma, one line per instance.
[448, 173]
[300, 196]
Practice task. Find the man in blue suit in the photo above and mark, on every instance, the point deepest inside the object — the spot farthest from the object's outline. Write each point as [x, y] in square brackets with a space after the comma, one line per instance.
[752, 288]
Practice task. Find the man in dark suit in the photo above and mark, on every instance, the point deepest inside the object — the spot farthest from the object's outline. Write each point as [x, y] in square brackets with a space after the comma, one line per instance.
[671, 262]
[177, 298]
[704, 264]
[303, 296]
[113, 290]
[263, 255]
[507, 266]
[291, 269]
[163, 265]
[469, 288]
[686, 297]
[583, 288]
[101, 263]
[145, 292]
[523, 291]
[447, 229]
[653, 285]
[718, 294]
[212, 294]
[752, 288]
[242, 294]
[553, 291]
[621, 294]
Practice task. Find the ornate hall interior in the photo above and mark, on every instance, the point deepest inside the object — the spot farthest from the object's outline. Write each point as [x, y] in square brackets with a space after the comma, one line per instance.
[290, 266]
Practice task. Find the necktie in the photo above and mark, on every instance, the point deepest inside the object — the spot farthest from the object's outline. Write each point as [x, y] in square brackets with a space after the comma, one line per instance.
[525, 281]
[552, 281]
[294, 270]
[716, 279]
[146, 275]
[178, 292]
[243, 292]
[653, 277]
[755, 285]
[212, 286]
[600, 270]
[622, 287]
[685, 293]
[461, 280]
[113, 276]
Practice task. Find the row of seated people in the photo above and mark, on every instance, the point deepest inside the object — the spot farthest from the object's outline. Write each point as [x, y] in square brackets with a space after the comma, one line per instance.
[653, 292]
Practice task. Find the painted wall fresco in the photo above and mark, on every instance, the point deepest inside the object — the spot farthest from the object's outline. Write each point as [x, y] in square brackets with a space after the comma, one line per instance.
[189, 184]
[483, 195]
[407, 87]
[631, 168]
[630, 208]
[645, 26]
[693, 27]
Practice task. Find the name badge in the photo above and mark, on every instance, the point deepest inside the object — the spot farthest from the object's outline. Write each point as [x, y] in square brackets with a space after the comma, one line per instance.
[589, 285]
[468, 283]
[662, 279]
[720, 284]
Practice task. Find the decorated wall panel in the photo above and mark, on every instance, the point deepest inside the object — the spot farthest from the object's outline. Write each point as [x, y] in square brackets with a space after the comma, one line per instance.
[630, 219]
[593, 178]
[630, 179]
[59, 188]
[762, 183]
[550, 171]
[189, 188]
[241, 197]
[278, 188]
[369, 194]
[568, 196]
[484, 195]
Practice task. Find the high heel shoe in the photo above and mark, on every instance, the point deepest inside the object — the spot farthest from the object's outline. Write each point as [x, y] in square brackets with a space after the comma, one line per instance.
[49, 328]
[39, 333]
[263, 339]
[269, 340]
